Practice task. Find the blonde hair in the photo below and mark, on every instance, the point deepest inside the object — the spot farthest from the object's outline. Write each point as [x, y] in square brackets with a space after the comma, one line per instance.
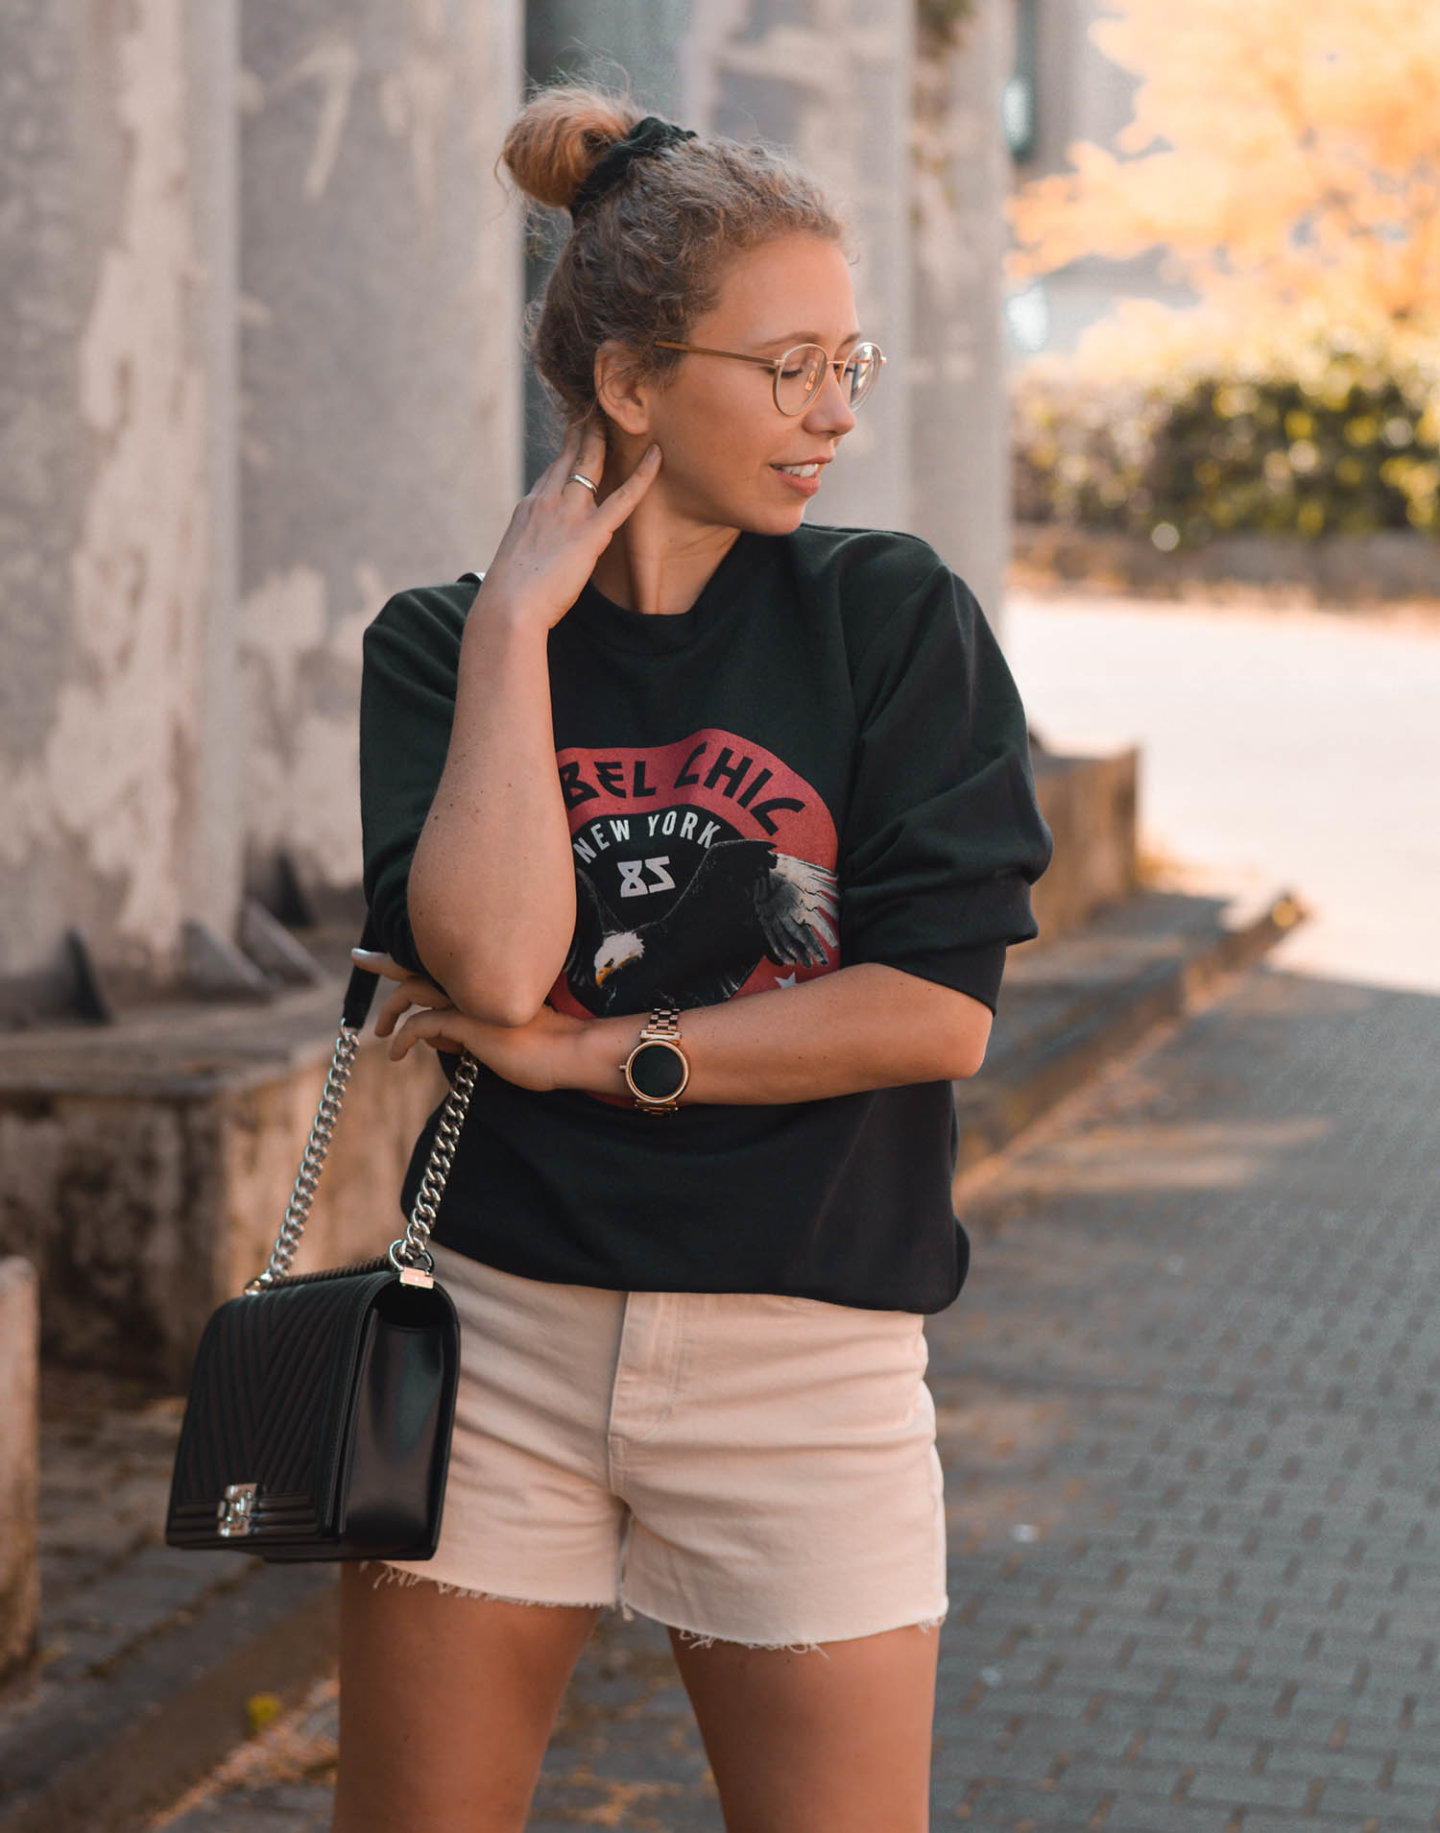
[647, 258]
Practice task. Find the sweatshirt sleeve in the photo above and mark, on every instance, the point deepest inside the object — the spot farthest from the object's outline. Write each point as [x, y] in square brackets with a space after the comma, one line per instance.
[943, 835]
[407, 706]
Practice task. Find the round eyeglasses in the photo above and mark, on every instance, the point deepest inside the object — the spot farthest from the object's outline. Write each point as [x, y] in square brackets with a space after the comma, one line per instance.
[799, 375]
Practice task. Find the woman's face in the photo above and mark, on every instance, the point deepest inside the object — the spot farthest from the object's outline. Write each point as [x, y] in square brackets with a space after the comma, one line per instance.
[720, 433]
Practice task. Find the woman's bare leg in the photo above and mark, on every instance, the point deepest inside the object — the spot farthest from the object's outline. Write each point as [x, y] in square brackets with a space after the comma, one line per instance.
[799, 1740]
[446, 1705]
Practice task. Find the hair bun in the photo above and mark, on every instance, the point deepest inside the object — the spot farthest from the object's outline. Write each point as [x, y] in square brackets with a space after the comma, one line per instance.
[561, 135]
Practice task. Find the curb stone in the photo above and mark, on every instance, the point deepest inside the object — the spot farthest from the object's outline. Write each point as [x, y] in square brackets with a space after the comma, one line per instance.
[1069, 1007]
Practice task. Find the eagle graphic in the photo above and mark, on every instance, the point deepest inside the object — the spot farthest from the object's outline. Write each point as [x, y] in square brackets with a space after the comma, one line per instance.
[745, 903]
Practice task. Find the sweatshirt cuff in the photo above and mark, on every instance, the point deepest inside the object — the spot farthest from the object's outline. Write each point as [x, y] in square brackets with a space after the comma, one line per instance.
[976, 971]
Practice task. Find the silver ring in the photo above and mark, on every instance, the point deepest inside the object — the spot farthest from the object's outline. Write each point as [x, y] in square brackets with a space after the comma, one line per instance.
[589, 483]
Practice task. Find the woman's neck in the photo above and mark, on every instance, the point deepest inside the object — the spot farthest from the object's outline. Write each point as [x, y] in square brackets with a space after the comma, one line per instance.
[658, 563]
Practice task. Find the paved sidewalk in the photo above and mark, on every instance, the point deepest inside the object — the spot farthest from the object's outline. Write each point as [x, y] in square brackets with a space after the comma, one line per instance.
[1188, 1407]
[1194, 1385]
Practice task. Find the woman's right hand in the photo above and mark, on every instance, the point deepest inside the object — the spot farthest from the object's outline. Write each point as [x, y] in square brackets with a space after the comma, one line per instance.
[559, 531]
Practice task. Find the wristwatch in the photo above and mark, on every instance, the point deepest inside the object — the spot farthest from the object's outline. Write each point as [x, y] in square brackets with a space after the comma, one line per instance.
[657, 1069]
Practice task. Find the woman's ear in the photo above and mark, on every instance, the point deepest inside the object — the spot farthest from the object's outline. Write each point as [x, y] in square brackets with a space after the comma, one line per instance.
[621, 396]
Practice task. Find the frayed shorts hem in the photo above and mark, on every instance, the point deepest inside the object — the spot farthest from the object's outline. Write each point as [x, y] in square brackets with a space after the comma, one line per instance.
[388, 1574]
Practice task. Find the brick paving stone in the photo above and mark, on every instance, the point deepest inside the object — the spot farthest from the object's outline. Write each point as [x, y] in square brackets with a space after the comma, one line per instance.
[1197, 1344]
[1187, 1408]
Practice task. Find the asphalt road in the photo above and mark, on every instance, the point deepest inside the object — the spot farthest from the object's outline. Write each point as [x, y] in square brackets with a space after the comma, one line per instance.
[1278, 746]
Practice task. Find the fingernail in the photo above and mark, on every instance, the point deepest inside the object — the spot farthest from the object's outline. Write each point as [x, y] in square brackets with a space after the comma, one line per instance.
[368, 954]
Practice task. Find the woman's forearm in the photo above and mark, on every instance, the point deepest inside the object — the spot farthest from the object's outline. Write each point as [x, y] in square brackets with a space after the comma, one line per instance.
[492, 885]
[862, 1027]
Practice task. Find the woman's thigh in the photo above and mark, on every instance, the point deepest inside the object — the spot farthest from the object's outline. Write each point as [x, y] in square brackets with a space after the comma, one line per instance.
[839, 1739]
[446, 1705]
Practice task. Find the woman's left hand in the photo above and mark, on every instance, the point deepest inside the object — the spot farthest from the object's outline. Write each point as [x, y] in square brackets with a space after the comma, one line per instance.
[534, 1055]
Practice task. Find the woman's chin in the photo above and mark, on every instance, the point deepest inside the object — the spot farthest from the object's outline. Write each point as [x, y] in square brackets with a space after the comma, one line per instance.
[779, 518]
[761, 516]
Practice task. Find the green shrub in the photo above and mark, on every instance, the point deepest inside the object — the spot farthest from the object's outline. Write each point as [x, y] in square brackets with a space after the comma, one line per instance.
[1345, 449]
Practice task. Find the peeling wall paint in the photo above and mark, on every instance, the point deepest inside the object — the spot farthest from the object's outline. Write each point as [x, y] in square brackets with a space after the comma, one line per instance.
[380, 368]
[302, 762]
[113, 778]
[331, 65]
[416, 96]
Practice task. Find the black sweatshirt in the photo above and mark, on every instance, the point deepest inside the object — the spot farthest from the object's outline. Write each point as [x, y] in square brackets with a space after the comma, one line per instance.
[824, 761]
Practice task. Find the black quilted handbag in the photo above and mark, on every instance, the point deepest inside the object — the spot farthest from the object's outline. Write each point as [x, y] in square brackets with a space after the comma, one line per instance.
[318, 1419]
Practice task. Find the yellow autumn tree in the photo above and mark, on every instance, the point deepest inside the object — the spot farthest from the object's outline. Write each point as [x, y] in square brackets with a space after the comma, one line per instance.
[1285, 152]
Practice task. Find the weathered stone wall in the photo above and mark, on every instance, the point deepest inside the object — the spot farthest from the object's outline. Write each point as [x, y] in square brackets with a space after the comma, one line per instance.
[19, 1462]
[310, 399]
[147, 1170]
[380, 370]
[117, 740]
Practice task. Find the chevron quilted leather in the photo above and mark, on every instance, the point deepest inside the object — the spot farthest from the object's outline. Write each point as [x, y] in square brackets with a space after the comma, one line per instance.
[331, 1396]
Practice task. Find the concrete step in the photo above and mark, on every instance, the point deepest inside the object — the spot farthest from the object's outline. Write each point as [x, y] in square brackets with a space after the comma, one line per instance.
[146, 1672]
[1068, 1006]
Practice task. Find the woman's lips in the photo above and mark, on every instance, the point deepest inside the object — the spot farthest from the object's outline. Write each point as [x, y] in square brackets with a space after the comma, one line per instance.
[807, 486]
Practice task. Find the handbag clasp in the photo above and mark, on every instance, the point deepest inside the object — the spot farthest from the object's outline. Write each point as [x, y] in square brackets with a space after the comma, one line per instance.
[236, 1510]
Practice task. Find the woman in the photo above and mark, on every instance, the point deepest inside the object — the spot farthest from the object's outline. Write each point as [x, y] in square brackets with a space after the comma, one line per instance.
[684, 764]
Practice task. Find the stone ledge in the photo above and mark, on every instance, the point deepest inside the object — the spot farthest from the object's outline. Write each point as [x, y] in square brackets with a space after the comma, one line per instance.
[151, 1162]
[1090, 805]
[1069, 1007]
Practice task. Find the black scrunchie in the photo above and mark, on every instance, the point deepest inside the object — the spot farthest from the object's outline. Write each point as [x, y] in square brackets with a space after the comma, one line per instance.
[652, 135]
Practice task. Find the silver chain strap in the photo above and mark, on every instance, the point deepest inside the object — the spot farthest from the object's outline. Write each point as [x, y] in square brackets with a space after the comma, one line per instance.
[411, 1250]
[413, 1247]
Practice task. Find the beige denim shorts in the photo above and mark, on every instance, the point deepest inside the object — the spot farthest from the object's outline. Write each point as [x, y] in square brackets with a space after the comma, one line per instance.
[743, 1467]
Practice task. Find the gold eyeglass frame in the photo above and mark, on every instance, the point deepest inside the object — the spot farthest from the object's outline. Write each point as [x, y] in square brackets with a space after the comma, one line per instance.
[776, 363]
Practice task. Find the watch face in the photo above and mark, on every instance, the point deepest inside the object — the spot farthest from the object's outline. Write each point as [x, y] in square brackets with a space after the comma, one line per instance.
[657, 1070]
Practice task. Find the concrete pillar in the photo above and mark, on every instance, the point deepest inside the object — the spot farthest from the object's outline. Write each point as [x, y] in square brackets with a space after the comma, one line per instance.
[634, 41]
[960, 417]
[644, 40]
[116, 499]
[380, 277]
[828, 79]
[19, 1461]
[831, 79]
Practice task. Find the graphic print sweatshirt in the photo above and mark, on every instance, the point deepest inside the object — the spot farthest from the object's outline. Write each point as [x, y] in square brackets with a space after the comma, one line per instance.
[824, 761]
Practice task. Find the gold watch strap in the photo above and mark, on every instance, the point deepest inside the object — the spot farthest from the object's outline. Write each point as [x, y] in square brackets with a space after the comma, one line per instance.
[663, 1023]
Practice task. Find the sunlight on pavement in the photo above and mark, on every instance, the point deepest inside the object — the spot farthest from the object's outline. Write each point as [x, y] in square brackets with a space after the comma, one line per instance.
[1279, 745]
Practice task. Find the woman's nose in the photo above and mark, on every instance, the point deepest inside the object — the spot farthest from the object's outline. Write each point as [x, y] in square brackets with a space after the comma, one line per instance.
[830, 411]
